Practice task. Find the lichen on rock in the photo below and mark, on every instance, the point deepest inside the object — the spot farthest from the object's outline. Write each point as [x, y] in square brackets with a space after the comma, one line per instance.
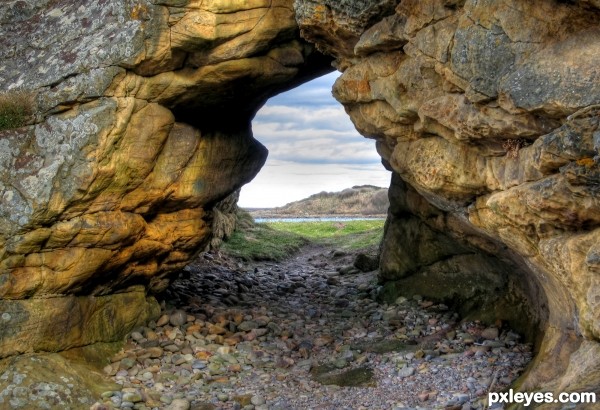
[486, 112]
[142, 126]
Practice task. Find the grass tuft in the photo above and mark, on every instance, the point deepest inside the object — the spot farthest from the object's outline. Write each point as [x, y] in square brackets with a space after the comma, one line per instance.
[16, 107]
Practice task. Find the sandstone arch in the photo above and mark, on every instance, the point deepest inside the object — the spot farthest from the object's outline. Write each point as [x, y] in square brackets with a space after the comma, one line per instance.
[486, 112]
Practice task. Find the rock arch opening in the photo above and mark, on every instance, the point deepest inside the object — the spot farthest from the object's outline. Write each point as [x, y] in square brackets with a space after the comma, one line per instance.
[313, 147]
[486, 111]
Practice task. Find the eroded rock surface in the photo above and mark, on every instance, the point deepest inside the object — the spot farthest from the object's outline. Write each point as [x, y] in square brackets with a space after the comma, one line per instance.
[487, 113]
[141, 127]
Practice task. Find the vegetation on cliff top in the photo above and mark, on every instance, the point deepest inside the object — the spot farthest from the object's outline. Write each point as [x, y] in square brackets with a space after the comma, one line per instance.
[364, 200]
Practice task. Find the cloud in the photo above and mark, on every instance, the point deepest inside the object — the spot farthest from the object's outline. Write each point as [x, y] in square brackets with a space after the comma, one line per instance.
[312, 135]
[282, 182]
[327, 117]
[314, 93]
[313, 147]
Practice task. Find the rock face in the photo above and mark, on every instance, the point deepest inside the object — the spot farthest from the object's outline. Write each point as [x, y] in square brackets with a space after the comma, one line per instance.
[141, 128]
[488, 114]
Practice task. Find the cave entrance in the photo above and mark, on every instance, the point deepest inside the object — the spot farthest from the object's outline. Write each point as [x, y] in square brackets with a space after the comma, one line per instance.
[283, 332]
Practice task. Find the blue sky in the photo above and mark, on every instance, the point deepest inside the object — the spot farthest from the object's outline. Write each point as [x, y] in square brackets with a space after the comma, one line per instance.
[313, 147]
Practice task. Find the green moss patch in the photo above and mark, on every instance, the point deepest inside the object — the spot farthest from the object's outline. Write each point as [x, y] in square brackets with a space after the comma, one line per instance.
[16, 107]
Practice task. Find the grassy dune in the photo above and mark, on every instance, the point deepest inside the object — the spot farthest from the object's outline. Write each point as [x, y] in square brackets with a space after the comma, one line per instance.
[358, 200]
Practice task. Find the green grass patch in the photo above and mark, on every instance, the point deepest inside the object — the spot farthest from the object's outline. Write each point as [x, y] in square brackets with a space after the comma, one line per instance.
[345, 235]
[261, 242]
[279, 240]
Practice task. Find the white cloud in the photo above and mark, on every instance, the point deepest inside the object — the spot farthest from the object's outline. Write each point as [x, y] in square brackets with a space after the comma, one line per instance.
[282, 182]
[322, 117]
[313, 147]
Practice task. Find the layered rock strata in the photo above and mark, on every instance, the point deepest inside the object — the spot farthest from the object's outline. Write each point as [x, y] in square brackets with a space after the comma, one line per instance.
[487, 113]
[141, 126]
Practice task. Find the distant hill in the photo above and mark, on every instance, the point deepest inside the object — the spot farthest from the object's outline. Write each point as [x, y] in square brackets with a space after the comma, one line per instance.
[364, 200]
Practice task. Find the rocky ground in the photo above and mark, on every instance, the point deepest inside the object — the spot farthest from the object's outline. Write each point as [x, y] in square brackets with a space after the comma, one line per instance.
[306, 334]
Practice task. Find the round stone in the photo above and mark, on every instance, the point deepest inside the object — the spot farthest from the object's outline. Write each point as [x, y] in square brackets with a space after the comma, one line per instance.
[179, 404]
[178, 318]
[257, 400]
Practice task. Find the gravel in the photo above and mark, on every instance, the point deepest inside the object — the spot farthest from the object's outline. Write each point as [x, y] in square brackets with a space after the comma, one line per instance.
[306, 334]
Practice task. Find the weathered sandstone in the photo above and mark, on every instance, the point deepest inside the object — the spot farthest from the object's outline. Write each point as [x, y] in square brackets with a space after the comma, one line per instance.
[487, 113]
[140, 132]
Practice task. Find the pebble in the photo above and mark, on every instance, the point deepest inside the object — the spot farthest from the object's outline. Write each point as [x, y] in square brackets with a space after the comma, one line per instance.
[163, 320]
[406, 372]
[490, 333]
[179, 404]
[178, 318]
[254, 336]
[257, 400]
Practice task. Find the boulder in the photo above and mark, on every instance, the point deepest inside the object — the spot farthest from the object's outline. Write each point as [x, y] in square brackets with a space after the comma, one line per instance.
[366, 263]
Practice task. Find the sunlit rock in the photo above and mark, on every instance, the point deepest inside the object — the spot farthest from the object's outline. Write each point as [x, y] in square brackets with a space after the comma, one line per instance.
[487, 113]
[141, 127]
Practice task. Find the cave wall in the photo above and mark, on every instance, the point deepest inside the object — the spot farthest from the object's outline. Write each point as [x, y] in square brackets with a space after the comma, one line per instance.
[487, 113]
[139, 130]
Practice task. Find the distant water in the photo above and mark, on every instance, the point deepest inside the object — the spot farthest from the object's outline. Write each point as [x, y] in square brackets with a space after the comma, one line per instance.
[319, 219]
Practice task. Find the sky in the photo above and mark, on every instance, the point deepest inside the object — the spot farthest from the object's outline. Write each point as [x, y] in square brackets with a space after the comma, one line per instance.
[313, 147]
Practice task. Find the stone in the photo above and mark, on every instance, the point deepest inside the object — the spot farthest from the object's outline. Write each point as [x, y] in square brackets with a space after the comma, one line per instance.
[257, 400]
[348, 270]
[247, 325]
[133, 397]
[127, 363]
[406, 372]
[490, 333]
[366, 263]
[360, 376]
[163, 320]
[155, 352]
[178, 318]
